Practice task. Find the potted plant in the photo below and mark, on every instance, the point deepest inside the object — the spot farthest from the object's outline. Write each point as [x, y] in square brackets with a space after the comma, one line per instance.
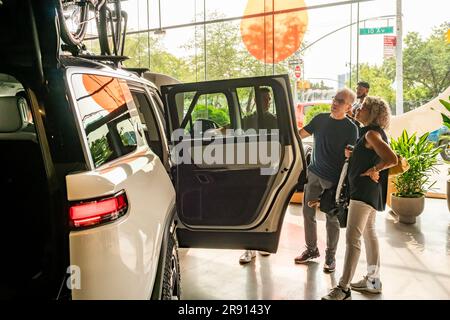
[409, 199]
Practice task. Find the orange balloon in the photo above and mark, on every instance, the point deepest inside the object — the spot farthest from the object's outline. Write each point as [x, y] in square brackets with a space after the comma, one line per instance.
[273, 38]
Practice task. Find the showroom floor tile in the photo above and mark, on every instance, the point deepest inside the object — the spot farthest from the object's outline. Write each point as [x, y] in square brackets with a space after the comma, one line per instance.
[415, 263]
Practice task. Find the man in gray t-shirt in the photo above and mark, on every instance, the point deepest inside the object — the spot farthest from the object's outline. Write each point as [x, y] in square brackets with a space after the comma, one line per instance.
[332, 132]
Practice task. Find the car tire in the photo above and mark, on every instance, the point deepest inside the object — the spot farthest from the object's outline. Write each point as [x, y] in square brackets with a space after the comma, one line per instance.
[171, 283]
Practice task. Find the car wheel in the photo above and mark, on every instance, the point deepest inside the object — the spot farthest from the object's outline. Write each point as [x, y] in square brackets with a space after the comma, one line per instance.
[445, 152]
[172, 278]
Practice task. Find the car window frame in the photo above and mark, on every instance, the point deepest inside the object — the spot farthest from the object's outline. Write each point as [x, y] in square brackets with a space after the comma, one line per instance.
[70, 71]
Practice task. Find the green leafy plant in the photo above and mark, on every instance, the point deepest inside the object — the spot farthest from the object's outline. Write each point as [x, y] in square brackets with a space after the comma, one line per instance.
[446, 121]
[445, 118]
[218, 115]
[100, 150]
[421, 155]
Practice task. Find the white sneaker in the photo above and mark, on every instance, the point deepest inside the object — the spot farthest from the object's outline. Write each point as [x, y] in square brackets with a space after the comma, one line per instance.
[247, 256]
[367, 285]
[264, 253]
[337, 293]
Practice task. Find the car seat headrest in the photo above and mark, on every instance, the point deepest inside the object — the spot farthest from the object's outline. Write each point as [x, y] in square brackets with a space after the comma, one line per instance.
[11, 119]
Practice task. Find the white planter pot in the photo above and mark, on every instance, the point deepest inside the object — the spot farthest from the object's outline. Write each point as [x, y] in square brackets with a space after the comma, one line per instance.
[407, 209]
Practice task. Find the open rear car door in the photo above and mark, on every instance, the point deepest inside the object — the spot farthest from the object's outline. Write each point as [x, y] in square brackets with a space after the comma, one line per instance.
[236, 160]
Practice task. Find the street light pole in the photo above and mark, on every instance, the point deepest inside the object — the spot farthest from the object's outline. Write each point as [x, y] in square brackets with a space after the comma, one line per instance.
[351, 44]
[399, 61]
[357, 43]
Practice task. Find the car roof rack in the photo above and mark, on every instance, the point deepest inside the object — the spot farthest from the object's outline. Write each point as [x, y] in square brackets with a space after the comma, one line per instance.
[116, 60]
[139, 71]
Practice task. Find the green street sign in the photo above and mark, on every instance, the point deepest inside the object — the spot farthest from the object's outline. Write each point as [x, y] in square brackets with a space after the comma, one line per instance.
[381, 30]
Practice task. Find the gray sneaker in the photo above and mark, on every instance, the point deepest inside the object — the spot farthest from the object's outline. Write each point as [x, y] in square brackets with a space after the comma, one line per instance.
[306, 256]
[338, 293]
[330, 265]
[367, 285]
[264, 253]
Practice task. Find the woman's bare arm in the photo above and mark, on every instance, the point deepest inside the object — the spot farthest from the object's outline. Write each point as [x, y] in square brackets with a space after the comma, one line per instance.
[382, 149]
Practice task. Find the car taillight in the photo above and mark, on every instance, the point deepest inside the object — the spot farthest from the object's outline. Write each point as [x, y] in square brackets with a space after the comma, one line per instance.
[98, 211]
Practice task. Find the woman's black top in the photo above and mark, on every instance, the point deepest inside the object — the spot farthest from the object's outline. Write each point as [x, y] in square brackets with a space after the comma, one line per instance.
[363, 188]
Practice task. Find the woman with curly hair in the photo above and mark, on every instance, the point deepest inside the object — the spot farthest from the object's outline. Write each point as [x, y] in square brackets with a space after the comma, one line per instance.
[367, 177]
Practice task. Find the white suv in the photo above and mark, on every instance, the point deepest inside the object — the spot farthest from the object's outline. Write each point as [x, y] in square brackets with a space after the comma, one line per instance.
[103, 175]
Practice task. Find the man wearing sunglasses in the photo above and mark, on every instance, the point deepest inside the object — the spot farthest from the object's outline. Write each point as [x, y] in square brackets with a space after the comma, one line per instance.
[332, 133]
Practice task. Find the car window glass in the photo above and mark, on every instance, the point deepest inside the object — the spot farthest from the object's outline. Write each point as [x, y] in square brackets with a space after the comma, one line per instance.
[204, 111]
[126, 133]
[252, 117]
[104, 105]
[160, 107]
[146, 108]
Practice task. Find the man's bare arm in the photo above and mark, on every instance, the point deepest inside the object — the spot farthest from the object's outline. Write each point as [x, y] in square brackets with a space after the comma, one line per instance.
[303, 133]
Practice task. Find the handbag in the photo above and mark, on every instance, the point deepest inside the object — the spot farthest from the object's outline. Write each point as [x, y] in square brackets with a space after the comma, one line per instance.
[331, 207]
[341, 212]
[335, 200]
[401, 167]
